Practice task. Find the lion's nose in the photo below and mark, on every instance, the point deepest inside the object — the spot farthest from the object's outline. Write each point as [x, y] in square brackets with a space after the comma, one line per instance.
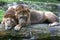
[8, 26]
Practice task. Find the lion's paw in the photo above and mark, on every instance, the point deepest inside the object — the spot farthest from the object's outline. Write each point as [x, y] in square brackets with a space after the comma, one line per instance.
[54, 24]
[17, 28]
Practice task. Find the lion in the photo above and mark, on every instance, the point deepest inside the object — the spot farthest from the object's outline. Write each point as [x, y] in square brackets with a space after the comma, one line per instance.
[9, 19]
[28, 16]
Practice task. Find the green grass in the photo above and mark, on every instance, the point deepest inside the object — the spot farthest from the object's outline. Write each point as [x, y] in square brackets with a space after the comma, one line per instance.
[29, 1]
[9, 0]
[51, 1]
[55, 1]
[1, 14]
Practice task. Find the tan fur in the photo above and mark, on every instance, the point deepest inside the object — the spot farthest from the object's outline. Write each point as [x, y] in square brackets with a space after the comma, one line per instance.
[35, 16]
[10, 13]
[25, 11]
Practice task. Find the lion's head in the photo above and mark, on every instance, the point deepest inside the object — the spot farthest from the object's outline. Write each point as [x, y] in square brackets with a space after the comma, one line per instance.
[23, 14]
[9, 19]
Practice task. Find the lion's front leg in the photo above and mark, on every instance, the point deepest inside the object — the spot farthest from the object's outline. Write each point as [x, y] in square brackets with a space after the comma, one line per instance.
[17, 27]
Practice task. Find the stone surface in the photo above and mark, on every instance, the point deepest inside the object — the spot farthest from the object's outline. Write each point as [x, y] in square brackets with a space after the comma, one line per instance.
[33, 31]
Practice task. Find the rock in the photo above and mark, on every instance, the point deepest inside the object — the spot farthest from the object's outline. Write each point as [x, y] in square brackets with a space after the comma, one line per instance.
[33, 31]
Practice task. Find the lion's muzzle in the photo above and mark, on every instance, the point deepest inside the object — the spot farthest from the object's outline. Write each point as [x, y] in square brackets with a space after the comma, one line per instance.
[22, 20]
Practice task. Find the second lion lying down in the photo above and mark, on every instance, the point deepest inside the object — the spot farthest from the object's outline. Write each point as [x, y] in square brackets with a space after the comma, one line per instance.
[9, 19]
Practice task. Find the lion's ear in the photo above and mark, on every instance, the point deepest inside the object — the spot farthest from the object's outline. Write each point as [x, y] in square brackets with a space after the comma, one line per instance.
[2, 22]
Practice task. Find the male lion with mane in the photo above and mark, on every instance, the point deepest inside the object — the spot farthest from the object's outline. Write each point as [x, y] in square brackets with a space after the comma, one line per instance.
[28, 16]
[9, 19]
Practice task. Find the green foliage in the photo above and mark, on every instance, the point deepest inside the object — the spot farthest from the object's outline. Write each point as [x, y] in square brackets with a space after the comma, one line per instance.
[36, 4]
[1, 14]
[9, 0]
[56, 1]
[43, 0]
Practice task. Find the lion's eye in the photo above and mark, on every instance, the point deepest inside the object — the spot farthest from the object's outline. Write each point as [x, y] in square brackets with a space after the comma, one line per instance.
[18, 13]
[15, 10]
[7, 19]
